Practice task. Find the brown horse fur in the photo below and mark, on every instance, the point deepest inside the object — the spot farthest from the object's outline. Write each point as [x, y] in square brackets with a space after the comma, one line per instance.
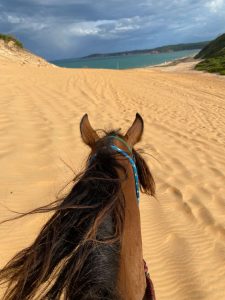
[93, 239]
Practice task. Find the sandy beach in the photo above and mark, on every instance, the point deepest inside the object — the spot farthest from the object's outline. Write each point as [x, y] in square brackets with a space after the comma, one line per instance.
[185, 64]
[184, 113]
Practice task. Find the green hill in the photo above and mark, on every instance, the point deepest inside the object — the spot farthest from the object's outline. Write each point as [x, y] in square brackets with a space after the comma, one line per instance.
[213, 49]
[214, 56]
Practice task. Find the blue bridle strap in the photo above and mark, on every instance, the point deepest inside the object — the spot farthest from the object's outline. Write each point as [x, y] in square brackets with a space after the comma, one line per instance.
[122, 141]
[114, 147]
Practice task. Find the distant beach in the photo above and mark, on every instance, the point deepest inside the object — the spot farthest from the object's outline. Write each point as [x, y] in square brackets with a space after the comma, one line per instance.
[184, 64]
[176, 61]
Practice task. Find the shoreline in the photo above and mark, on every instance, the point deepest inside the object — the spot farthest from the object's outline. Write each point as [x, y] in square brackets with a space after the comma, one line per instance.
[182, 64]
[175, 62]
[129, 67]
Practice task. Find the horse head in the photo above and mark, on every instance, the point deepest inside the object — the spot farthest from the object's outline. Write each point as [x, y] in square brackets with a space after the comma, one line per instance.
[91, 247]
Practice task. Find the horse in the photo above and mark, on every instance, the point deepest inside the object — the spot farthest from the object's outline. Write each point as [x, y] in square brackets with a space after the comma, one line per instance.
[91, 247]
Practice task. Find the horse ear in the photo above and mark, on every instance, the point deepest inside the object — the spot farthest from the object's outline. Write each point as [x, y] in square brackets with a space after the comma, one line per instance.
[88, 134]
[135, 132]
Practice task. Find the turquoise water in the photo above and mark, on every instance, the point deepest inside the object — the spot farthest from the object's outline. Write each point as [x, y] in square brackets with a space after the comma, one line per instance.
[123, 62]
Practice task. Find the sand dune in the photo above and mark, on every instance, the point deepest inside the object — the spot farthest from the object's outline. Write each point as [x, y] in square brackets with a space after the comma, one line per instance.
[9, 52]
[184, 113]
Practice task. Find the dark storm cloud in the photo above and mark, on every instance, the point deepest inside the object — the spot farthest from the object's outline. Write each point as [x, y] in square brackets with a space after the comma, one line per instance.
[70, 28]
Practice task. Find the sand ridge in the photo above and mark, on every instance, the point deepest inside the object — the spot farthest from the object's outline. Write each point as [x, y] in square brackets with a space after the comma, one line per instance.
[9, 52]
[184, 229]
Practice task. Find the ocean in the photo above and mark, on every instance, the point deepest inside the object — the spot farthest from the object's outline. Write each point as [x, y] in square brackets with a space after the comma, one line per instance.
[124, 62]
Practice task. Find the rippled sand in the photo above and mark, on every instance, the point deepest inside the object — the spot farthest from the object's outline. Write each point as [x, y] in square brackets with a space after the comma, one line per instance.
[184, 113]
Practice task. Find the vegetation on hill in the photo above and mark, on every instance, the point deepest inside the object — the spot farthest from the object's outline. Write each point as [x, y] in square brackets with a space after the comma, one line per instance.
[214, 56]
[7, 38]
[167, 48]
[212, 65]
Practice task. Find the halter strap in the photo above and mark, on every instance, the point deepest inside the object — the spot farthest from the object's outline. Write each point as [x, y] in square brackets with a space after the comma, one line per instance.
[114, 147]
[131, 160]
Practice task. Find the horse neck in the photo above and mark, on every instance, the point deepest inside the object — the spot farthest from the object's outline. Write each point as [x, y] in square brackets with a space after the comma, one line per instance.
[132, 282]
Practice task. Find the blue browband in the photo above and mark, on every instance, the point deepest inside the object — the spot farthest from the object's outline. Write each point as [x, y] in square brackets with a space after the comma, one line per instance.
[114, 147]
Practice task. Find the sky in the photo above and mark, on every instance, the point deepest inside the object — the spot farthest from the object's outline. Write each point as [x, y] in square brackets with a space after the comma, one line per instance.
[57, 29]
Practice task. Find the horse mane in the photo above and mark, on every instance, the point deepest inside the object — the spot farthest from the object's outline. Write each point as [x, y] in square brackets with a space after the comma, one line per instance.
[77, 252]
